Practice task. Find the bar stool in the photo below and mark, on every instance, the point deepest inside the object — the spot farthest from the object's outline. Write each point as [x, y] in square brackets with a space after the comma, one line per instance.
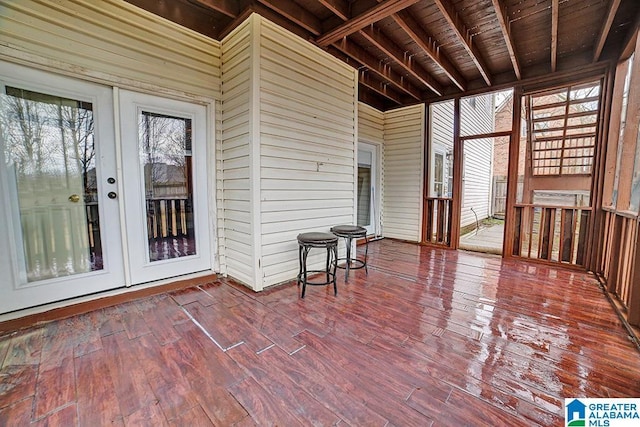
[349, 232]
[307, 241]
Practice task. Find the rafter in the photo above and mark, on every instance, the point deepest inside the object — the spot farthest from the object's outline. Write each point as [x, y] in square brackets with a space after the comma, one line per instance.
[338, 7]
[461, 31]
[606, 27]
[381, 88]
[384, 71]
[376, 13]
[392, 50]
[506, 33]
[630, 39]
[554, 35]
[236, 22]
[426, 43]
[231, 8]
[268, 13]
[366, 78]
[295, 14]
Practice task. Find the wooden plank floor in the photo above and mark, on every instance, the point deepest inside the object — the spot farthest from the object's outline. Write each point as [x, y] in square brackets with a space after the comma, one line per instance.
[428, 337]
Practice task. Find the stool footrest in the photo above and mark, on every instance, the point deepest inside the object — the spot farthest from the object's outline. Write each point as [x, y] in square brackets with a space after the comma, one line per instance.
[350, 232]
[308, 241]
[318, 272]
[354, 265]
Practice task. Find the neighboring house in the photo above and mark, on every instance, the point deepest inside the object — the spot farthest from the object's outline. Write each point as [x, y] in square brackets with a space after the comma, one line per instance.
[572, 190]
[477, 118]
[503, 121]
[169, 181]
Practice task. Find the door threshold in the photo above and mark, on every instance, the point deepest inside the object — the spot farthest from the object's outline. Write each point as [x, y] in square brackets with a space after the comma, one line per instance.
[20, 319]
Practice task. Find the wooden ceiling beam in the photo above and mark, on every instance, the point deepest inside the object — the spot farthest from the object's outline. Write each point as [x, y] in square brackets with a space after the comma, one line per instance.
[503, 21]
[370, 16]
[606, 27]
[394, 52]
[426, 43]
[381, 88]
[296, 14]
[267, 13]
[384, 71]
[461, 31]
[629, 45]
[338, 7]
[554, 34]
[242, 16]
[231, 8]
[365, 78]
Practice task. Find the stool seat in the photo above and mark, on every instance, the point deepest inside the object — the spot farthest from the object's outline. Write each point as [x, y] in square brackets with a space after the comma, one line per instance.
[315, 239]
[350, 232]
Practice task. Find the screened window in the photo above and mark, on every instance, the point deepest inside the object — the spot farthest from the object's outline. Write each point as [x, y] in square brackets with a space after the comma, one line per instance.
[563, 128]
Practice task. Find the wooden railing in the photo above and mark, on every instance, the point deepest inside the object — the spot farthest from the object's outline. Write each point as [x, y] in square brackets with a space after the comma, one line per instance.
[55, 242]
[551, 233]
[93, 227]
[437, 220]
[620, 259]
[168, 218]
[165, 218]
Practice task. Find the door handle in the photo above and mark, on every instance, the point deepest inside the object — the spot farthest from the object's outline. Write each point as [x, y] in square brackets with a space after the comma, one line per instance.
[74, 198]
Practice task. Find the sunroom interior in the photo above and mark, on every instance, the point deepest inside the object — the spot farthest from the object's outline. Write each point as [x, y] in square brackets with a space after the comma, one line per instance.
[159, 159]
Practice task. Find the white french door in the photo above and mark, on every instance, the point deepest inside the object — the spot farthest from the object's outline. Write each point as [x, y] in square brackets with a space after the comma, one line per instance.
[164, 154]
[65, 229]
[367, 197]
[58, 189]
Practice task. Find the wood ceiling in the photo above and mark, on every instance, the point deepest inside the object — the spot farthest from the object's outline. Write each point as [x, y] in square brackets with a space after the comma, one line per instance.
[411, 51]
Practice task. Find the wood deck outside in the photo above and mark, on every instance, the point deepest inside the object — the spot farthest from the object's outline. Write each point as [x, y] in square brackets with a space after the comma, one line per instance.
[429, 337]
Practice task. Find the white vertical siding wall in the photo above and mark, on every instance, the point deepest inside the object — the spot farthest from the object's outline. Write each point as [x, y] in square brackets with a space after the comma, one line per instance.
[370, 124]
[111, 42]
[403, 164]
[440, 137]
[477, 117]
[234, 160]
[115, 43]
[371, 129]
[307, 147]
[287, 152]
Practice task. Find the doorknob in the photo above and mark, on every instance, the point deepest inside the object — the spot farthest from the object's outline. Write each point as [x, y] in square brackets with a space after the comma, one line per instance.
[74, 198]
[112, 195]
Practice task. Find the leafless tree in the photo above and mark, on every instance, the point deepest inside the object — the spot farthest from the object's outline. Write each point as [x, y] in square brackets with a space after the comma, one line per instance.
[163, 146]
[24, 122]
[78, 123]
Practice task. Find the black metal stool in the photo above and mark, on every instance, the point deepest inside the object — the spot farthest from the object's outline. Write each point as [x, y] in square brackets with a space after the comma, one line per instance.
[349, 232]
[306, 241]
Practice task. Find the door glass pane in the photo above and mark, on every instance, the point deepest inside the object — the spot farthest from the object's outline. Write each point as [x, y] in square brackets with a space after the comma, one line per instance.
[50, 159]
[438, 174]
[165, 154]
[364, 195]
